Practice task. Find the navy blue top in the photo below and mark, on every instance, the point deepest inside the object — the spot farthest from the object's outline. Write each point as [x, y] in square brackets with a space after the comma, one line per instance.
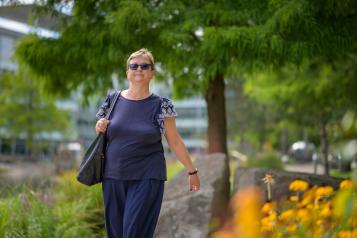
[134, 148]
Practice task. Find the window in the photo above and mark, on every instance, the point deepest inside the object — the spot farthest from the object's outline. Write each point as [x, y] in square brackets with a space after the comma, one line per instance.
[20, 147]
[5, 146]
[191, 112]
[7, 45]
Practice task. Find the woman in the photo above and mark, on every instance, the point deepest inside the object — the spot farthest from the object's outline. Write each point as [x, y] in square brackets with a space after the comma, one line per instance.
[135, 169]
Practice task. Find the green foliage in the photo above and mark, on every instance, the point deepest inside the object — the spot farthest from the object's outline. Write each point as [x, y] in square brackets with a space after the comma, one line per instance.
[196, 41]
[98, 37]
[69, 192]
[305, 95]
[26, 216]
[27, 110]
[173, 168]
[44, 214]
[339, 174]
[66, 210]
[269, 160]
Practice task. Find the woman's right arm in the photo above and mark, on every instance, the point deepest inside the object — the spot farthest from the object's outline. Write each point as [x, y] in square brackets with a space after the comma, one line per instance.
[101, 125]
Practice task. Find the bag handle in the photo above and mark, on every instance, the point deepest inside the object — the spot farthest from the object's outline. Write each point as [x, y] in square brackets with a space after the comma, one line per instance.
[116, 96]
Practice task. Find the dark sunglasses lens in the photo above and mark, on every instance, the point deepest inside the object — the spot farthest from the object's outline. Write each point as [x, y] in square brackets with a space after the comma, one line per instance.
[142, 66]
[133, 66]
[145, 66]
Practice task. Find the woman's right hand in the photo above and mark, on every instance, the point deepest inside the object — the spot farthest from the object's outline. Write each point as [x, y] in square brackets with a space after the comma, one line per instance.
[101, 125]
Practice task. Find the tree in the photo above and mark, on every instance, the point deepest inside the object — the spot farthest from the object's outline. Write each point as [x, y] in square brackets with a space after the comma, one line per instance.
[317, 94]
[199, 43]
[26, 111]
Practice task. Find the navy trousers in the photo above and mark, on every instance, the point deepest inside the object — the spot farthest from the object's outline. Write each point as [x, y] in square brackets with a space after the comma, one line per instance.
[132, 207]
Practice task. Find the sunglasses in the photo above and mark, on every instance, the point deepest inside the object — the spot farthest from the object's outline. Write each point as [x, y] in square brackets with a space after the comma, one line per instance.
[142, 66]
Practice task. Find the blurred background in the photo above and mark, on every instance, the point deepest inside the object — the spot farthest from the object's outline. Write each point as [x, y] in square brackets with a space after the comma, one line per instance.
[270, 83]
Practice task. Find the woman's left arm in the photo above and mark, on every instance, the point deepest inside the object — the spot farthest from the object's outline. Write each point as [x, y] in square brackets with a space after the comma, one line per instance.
[177, 145]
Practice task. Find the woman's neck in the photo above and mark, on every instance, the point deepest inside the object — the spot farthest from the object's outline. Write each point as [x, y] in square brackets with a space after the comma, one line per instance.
[137, 93]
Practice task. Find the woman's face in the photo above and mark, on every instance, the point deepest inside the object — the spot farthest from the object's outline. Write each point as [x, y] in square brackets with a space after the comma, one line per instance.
[139, 70]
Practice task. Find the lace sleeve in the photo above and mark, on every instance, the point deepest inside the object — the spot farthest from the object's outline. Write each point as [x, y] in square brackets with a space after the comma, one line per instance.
[167, 110]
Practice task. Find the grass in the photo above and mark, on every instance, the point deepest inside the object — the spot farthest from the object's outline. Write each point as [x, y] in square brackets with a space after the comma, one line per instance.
[339, 174]
[173, 168]
[233, 165]
[2, 170]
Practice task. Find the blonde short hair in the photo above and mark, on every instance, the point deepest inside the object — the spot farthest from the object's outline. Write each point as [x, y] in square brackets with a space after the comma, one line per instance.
[141, 52]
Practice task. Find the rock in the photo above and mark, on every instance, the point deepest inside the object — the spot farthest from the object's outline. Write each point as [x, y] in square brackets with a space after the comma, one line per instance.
[280, 189]
[186, 214]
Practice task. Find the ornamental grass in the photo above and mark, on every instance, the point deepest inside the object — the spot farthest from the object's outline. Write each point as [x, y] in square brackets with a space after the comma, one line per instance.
[309, 212]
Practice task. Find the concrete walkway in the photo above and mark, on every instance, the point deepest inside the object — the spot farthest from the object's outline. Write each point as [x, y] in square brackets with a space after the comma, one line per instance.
[304, 168]
[25, 172]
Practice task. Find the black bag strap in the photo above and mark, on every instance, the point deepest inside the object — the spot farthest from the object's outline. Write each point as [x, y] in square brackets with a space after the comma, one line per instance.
[116, 96]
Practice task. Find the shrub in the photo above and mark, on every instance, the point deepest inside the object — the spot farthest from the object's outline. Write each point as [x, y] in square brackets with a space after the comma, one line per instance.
[269, 160]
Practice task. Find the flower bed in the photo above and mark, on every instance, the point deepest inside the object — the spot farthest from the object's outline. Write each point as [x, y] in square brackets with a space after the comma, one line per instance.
[310, 211]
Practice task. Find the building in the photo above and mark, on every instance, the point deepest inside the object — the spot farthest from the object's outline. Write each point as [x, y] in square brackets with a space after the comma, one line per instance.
[14, 25]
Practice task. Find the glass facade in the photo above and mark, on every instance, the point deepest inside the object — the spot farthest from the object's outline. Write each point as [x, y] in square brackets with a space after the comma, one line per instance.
[7, 45]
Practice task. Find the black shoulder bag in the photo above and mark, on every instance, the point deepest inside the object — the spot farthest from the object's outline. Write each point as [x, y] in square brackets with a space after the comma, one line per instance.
[92, 165]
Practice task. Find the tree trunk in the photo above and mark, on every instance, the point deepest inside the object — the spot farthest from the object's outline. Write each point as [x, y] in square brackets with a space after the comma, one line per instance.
[216, 108]
[324, 144]
[30, 124]
[284, 141]
[217, 136]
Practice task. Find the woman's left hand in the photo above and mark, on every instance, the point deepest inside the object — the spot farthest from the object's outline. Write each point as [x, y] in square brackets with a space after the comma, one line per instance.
[194, 182]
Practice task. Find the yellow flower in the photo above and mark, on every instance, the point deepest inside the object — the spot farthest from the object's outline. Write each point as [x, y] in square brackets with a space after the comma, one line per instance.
[324, 191]
[317, 201]
[294, 198]
[298, 185]
[326, 211]
[286, 215]
[268, 207]
[273, 216]
[303, 214]
[345, 234]
[223, 234]
[277, 235]
[291, 228]
[266, 224]
[306, 200]
[346, 184]
[319, 232]
[354, 222]
[247, 215]
[319, 222]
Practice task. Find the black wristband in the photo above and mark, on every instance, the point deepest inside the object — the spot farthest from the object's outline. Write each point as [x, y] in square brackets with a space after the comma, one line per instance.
[194, 172]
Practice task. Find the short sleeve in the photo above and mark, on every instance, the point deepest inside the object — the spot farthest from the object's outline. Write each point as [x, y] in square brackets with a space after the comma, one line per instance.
[103, 109]
[167, 109]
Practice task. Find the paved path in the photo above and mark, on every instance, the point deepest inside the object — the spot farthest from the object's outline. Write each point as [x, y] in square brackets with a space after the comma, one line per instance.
[304, 167]
[25, 172]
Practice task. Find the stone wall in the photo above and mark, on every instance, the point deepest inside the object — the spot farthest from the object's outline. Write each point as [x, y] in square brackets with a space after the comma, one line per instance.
[186, 214]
